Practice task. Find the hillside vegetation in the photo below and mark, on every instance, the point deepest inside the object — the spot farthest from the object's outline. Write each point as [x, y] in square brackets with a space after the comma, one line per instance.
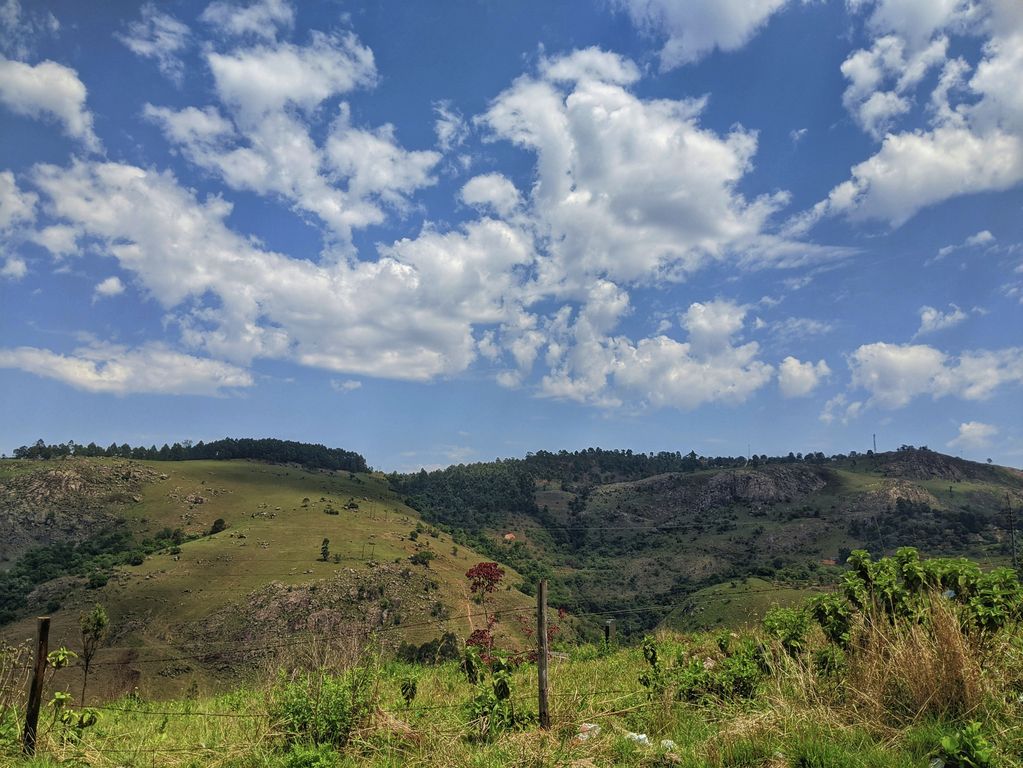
[909, 663]
[219, 556]
[613, 528]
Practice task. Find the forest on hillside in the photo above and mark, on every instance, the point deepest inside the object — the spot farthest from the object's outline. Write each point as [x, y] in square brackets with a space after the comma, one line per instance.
[308, 455]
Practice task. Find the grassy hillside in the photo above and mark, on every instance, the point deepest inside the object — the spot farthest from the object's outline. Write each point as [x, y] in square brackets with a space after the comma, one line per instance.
[614, 529]
[258, 580]
[886, 673]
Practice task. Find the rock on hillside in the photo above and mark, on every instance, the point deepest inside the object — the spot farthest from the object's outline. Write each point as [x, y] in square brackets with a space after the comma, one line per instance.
[698, 493]
[68, 502]
[917, 464]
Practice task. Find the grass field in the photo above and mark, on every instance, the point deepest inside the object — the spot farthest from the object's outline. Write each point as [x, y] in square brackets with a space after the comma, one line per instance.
[276, 519]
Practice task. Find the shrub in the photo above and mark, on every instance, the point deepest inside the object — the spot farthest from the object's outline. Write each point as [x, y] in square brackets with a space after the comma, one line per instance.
[966, 748]
[320, 708]
[422, 557]
[789, 627]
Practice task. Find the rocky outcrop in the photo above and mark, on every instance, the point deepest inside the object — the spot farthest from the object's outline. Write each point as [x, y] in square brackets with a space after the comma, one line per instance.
[65, 500]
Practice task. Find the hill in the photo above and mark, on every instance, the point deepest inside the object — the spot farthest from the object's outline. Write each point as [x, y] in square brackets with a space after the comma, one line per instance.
[614, 529]
[138, 537]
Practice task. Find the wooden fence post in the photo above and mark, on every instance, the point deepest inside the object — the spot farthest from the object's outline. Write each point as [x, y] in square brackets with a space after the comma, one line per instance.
[542, 653]
[35, 691]
[609, 631]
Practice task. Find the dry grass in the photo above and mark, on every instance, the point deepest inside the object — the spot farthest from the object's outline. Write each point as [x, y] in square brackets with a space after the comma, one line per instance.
[905, 672]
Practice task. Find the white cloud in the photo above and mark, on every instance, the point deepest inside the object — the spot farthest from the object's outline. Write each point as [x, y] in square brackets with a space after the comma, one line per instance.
[266, 78]
[375, 166]
[919, 20]
[494, 191]
[112, 286]
[841, 408]
[20, 31]
[59, 239]
[408, 315]
[105, 368]
[48, 90]
[973, 434]
[798, 379]
[981, 238]
[158, 36]
[345, 385]
[262, 18]
[886, 64]
[978, 240]
[14, 268]
[694, 28]
[895, 374]
[450, 127]
[932, 319]
[795, 328]
[659, 371]
[971, 145]
[624, 210]
[16, 206]
[265, 143]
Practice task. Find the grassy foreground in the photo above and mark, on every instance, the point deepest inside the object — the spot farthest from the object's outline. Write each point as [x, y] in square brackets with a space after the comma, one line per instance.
[796, 716]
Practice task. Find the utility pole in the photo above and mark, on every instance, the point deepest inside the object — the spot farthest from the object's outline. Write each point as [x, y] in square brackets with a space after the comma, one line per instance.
[542, 653]
[875, 442]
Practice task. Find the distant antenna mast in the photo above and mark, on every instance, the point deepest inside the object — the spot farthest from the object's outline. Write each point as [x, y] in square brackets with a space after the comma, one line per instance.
[1012, 532]
[875, 442]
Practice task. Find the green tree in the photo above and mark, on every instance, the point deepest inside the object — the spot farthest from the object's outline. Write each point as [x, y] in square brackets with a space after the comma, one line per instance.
[94, 625]
[325, 550]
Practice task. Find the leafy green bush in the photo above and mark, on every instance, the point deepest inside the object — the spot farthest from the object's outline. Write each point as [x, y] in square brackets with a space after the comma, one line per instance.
[736, 676]
[310, 756]
[491, 710]
[789, 626]
[321, 708]
[966, 748]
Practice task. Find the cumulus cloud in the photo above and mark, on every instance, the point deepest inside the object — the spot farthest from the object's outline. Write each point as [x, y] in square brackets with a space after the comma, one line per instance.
[16, 206]
[112, 286]
[895, 374]
[493, 191]
[973, 434]
[932, 319]
[694, 28]
[51, 91]
[974, 139]
[159, 36]
[261, 139]
[880, 78]
[14, 268]
[629, 211]
[659, 371]
[151, 369]
[408, 315]
[841, 408]
[262, 18]
[799, 379]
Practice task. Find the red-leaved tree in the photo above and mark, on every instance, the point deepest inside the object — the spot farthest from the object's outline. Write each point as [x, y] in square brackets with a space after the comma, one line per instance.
[483, 579]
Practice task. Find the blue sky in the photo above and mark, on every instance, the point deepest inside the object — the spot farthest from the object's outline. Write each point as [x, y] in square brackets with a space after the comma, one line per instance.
[449, 231]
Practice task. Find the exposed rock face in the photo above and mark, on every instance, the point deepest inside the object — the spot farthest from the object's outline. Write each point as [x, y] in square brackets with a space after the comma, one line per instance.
[928, 465]
[698, 493]
[70, 502]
